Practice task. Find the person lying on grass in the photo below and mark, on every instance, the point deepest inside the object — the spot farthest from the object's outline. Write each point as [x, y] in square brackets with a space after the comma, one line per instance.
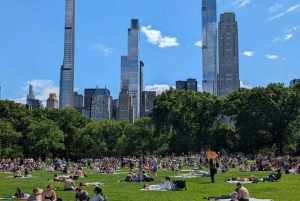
[251, 178]
[163, 185]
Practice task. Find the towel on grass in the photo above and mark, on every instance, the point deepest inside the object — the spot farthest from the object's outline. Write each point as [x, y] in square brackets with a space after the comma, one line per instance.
[97, 183]
[185, 176]
[22, 177]
[242, 182]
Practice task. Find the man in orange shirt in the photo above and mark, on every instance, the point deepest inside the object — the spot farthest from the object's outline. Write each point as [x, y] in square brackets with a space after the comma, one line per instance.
[243, 193]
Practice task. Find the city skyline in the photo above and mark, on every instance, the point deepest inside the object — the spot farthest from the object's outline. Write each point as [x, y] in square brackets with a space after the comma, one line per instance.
[33, 44]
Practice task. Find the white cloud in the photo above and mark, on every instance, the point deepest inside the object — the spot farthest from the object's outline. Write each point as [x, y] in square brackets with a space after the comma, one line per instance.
[242, 85]
[159, 88]
[283, 58]
[241, 3]
[288, 36]
[272, 56]
[155, 37]
[248, 53]
[198, 43]
[106, 50]
[276, 7]
[276, 40]
[42, 88]
[292, 8]
[290, 29]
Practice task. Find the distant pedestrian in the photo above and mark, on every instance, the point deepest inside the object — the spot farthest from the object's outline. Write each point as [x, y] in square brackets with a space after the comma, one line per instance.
[213, 170]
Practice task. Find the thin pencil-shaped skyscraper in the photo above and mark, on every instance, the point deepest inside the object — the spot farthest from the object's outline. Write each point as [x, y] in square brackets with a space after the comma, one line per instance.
[209, 46]
[67, 69]
[130, 66]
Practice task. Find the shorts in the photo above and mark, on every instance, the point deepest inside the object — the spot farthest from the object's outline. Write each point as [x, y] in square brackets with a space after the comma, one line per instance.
[154, 170]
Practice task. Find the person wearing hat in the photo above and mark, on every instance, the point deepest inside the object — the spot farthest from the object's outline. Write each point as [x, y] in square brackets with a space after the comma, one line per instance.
[243, 193]
[81, 195]
[37, 195]
[98, 195]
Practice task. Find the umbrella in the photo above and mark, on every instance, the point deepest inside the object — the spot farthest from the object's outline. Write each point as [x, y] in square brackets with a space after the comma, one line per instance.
[211, 154]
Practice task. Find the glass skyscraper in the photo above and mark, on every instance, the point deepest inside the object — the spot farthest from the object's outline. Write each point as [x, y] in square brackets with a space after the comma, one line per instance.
[130, 66]
[67, 69]
[209, 46]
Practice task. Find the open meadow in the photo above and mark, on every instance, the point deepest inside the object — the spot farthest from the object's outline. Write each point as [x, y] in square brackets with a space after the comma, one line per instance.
[287, 189]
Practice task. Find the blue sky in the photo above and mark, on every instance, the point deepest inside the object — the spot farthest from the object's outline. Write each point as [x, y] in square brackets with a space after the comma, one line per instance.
[32, 33]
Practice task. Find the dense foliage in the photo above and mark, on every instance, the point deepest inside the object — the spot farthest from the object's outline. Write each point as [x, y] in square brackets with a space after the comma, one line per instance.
[258, 120]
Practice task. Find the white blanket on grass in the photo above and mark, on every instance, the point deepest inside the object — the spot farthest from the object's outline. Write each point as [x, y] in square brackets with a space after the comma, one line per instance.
[185, 176]
[242, 182]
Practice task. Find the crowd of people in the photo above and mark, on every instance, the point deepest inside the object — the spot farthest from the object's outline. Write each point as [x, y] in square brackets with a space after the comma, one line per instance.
[144, 165]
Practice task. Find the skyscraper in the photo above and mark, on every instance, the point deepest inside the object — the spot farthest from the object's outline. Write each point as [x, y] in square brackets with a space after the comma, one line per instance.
[101, 104]
[78, 101]
[294, 81]
[130, 66]
[209, 46]
[228, 78]
[67, 69]
[125, 111]
[52, 101]
[31, 102]
[190, 84]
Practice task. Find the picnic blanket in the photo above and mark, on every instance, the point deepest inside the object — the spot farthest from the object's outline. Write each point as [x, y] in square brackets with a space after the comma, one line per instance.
[242, 182]
[251, 199]
[186, 176]
[22, 177]
[153, 188]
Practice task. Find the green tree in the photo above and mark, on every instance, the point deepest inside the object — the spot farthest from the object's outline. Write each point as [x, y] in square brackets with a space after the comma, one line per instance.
[44, 139]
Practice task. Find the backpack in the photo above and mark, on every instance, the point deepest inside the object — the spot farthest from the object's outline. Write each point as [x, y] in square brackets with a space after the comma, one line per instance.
[174, 187]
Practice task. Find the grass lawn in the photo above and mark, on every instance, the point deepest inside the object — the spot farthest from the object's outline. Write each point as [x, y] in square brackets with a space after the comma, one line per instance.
[287, 189]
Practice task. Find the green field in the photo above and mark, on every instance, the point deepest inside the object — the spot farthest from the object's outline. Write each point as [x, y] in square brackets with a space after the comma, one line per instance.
[287, 189]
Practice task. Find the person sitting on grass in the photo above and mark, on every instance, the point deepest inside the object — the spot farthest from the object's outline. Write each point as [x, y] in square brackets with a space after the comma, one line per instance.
[81, 195]
[36, 196]
[69, 185]
[146, 177]
[26, 173]
[98, 195]
[17, 173]
[130, 177]
[19, 194]
[49, 194]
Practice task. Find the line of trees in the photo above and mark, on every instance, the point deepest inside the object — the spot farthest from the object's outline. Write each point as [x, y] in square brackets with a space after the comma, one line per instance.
[258, 120]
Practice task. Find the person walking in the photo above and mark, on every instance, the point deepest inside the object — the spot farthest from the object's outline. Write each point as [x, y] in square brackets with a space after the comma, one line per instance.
[213, 170]
[154, 167]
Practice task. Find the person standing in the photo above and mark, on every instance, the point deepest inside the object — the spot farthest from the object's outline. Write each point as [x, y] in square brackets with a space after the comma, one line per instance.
[154, 167]
[213, 170]
[243, 193]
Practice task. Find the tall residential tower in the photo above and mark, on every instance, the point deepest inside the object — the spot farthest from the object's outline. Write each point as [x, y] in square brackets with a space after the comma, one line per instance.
[67, 69]
[130, 67]
[209, 46]
[228, 78]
